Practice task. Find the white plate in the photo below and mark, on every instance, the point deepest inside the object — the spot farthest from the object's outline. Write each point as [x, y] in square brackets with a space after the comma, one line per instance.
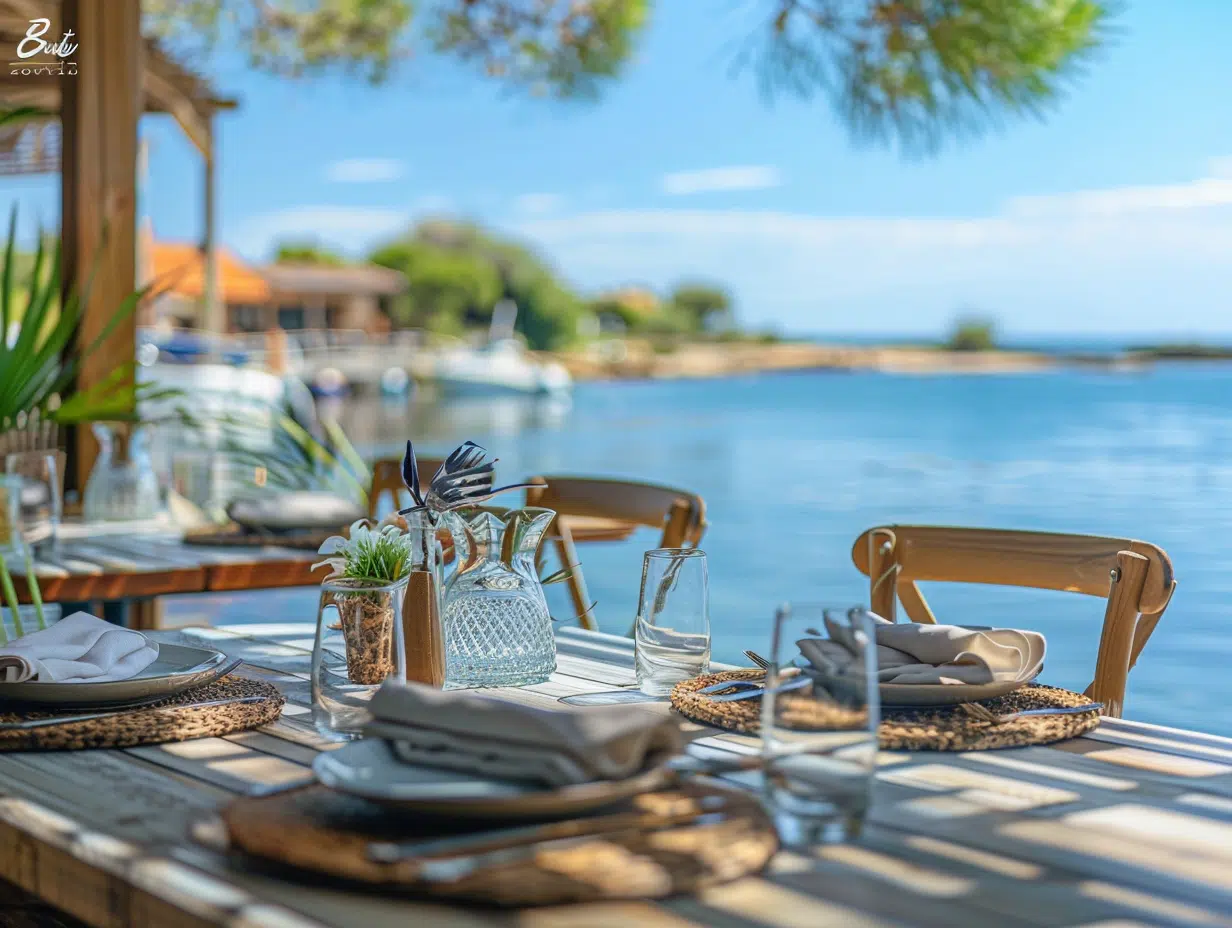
[368, 769]
[944, 694]
[177, 668]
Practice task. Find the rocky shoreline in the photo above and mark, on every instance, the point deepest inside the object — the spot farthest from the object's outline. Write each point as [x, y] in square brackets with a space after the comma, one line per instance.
[634, 360]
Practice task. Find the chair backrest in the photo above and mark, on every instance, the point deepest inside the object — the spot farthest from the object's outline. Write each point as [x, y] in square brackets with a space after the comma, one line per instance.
[679, 513]
[387, 478]
[1134, 576]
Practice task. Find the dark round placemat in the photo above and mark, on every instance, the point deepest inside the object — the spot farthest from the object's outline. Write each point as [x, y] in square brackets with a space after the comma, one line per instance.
[319, 833]
[162, 722]
[931, 728]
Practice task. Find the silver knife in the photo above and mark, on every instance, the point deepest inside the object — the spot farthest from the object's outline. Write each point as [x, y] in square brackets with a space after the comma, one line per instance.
[90, 716]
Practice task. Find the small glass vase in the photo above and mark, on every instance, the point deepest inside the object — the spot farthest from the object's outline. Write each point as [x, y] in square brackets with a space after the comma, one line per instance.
[123, 485]
[497, 628]
[359, 645]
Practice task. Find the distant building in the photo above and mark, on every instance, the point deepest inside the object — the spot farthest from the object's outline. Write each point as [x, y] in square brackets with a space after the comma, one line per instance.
[314, 296]
[287, 296]
[177, 270]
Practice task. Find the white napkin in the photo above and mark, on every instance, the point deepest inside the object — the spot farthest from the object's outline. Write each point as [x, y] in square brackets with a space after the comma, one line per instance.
[463, 730]
[78, 649]
[914, 653]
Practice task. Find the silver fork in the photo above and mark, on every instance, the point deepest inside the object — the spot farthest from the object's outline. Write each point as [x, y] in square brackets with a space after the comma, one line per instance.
[90, 716]
[985, 714]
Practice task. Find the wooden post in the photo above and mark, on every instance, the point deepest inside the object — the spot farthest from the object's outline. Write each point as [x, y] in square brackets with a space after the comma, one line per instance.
[100, 110]
[213, 315]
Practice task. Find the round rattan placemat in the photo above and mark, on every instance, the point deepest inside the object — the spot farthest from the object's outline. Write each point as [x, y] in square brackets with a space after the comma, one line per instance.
[162, 722]
[317, 832]
[932, 728]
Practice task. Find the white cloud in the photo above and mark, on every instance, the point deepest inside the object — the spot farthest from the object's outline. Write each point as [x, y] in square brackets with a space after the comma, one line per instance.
[537, 204]
[744, 177]
[365, 170]
[1137, 259]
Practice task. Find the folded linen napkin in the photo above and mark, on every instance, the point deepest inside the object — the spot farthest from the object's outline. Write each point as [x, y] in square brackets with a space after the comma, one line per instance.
[78, 649]
[913, 653]
[485, 735]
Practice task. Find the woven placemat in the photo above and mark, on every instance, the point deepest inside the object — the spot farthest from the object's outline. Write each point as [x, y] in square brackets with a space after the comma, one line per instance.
[315, 831]
[932, 728]
[234, 534]
[162, 722]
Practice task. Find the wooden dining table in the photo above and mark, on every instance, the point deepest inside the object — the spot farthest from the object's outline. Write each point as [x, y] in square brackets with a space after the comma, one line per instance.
[125, 570]
[1128, 825]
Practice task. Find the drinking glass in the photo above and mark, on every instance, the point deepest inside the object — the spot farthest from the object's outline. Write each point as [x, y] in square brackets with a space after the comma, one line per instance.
[359, 644]
[819, 722]
[672, 637]
[40, 504]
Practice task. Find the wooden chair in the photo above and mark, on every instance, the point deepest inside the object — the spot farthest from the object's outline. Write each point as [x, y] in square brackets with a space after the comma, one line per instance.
[680, 514]
[1136, 577]
[387, 478]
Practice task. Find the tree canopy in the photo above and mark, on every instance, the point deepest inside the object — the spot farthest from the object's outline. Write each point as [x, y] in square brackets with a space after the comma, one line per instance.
[457, 272]
[905, 71]
[307, 251]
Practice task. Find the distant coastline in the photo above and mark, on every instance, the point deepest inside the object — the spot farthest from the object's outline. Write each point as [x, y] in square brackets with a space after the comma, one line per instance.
[633, 359]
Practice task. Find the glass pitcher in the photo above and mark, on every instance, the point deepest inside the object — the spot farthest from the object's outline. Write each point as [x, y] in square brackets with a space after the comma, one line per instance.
[496, 624]
[123, 484]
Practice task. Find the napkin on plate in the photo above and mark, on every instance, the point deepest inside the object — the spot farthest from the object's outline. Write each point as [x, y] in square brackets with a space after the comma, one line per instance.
[914, 653]
[78, 649]
[484, 735]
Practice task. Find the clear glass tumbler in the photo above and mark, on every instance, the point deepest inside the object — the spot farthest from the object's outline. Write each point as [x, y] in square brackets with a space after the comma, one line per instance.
[359, 645]
[672, 633]
[819, 721]
[41, 504]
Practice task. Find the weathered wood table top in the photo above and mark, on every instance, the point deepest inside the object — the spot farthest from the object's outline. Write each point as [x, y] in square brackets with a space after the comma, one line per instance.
[146, 563]
[1130, 825]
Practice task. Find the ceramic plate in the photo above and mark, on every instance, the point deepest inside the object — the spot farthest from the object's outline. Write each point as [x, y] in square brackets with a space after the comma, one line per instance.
[177, 668]
[944, 694]
[368, 769]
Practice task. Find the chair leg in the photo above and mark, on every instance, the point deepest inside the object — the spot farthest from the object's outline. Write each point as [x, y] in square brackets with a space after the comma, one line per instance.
[1117, 639]
[577, 583]
[881, 560]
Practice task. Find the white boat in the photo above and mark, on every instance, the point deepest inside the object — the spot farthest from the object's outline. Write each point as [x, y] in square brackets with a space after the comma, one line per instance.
[500, 366]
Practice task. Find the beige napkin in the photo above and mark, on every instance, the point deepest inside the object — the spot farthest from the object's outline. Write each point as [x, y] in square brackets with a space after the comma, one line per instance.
[78, 649]
[485, 735]
[913, 653]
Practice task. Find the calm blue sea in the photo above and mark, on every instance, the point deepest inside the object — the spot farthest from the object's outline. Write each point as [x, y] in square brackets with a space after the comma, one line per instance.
[794, 466]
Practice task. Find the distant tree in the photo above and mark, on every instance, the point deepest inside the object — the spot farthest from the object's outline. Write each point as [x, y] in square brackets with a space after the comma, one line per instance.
[973, 333]
[548, 310]
[707, 306]
[306, 251]
[909, 71]
[447, 290]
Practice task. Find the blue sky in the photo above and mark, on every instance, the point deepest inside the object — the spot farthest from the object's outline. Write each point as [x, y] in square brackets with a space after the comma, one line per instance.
[1113, 216]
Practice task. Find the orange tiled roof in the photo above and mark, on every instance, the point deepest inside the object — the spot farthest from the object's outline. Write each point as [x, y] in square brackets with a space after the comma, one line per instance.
[182, 269]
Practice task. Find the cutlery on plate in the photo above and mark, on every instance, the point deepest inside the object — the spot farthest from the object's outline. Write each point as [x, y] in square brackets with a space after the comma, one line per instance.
[987, 715]
[757, 691]
[502, 840]
[453, 869]
[740, 684]
[757, 659]
[90, 716]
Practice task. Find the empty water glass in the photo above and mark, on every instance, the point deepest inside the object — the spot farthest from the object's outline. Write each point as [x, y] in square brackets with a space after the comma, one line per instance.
[672, 637]
[819, 722]
[40, 500]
